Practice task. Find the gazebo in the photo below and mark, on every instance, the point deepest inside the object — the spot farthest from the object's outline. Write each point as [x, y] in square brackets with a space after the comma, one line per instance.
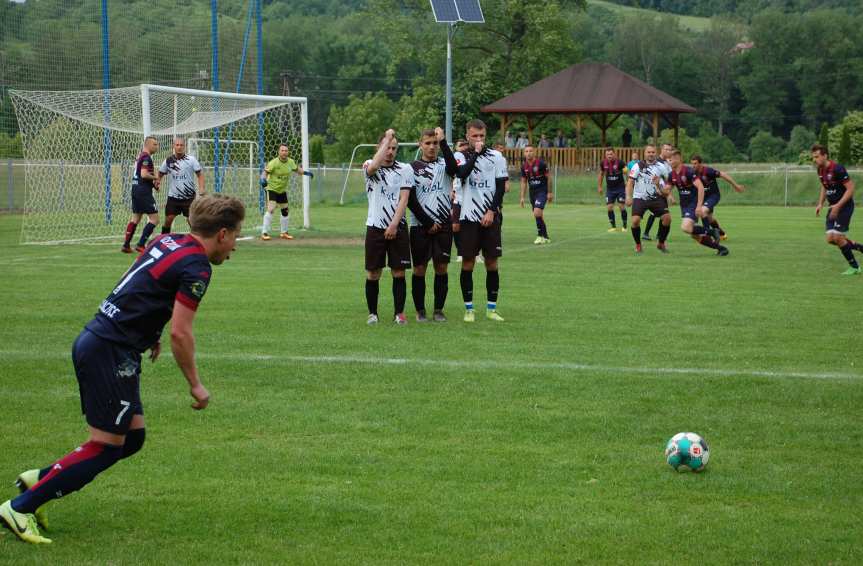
[598, 91]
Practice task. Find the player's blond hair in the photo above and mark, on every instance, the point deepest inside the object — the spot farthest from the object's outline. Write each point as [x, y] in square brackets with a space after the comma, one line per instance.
[210, 213]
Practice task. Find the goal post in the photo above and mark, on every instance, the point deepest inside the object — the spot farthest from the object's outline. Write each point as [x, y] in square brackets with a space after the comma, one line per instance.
[78, 186]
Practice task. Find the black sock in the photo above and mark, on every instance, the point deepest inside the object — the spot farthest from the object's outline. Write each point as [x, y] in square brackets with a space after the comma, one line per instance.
[134, 441]
[650, 222]
[441, 287]
[663, 232]
[69, 474]
[372, 289]
[848, 251]
[856, 245]
[623, 217]
[611, 218]
[543, 229]
[466, 280]
[709, 242]
[145, 235]
[706, 222]
[716, 225]
[698, 230]
[400, 294]
[418, 292]
[636, 234]
[492, 285]
[539, 227]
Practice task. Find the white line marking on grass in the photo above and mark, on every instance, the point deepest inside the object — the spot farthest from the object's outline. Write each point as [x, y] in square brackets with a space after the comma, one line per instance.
[484, 365]
[571, 366]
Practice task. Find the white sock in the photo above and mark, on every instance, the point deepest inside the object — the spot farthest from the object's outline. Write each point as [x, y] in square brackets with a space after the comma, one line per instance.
[283, 221]
[268, 219]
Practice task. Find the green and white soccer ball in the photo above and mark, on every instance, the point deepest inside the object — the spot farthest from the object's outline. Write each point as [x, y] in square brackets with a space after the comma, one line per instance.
[687, 451]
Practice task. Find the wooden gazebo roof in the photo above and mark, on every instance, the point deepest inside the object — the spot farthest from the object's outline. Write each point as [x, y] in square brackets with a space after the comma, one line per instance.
[594, 89]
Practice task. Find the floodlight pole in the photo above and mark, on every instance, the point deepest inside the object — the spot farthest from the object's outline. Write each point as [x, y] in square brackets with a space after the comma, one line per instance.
[450, 30]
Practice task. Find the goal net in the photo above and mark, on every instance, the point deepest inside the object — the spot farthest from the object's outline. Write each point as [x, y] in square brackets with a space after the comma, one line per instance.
[80, 148]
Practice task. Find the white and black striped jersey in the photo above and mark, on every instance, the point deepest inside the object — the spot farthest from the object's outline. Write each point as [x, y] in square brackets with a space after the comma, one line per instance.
[432, 187]
[383, 190]
[479, 187]
[183, 173]
[645, 174]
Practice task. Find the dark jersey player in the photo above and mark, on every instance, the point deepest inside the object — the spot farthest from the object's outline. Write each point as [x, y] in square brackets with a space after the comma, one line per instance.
[838, 189]
[710, 179]
[534, 176]
[612, 169]
[143, 183]
[690, 189]
[167, 282]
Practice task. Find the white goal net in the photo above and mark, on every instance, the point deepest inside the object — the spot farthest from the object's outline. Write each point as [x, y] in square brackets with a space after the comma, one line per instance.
[81, 146]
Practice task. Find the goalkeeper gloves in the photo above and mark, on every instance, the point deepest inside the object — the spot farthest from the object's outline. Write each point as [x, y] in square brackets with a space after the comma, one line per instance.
[308, 174]
[263, 183]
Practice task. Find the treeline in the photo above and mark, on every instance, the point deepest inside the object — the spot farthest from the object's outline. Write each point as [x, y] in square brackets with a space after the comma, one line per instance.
[740, 8]
[764, 84]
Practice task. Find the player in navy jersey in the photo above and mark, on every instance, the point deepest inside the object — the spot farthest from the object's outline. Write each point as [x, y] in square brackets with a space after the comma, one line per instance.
[613, 170]
[534, 175]
[143, 183]
[710, 179]
[691, 192]
[430, 203]
[838, 189]
[664, 154]
[483, 175]
[167, 282]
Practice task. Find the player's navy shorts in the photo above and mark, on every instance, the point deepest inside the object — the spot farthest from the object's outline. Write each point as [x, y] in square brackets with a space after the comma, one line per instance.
[176, 206]
[843, 219]
[538, 198]
[657, 206]
[278, 198]
[615, 195]
[688, 211]
[435, 247]
[474, 237]
[711, 199]
[109, 382]
[143, 201]
[380, 252]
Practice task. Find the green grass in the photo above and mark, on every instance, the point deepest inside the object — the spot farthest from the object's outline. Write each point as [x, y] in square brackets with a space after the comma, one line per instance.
[534, 441]
[692, 23]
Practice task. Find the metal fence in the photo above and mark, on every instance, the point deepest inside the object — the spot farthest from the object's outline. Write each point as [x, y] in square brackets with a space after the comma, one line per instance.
[771, 184]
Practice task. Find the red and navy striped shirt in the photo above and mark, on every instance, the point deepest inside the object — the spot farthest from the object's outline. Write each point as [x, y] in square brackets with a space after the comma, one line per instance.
[173, 268]
[833, 178]
[613, 170]
[684, 180]
[709, 176]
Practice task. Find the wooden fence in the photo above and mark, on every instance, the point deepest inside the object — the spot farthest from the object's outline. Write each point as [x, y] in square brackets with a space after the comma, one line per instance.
[572, 158]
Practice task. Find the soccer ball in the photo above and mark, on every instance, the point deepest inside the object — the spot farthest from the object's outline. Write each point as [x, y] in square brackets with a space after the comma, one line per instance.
[687, 451]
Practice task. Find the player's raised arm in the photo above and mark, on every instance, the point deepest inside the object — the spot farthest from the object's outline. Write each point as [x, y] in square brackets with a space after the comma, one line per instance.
[381, 154]
[737, 186]
[183, 348]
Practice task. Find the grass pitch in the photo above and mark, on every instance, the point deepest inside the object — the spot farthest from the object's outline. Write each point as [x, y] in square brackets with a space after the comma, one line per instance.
[534, 441]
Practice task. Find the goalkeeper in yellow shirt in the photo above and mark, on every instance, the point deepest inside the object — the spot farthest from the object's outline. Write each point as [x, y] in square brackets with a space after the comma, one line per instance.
[275, 180]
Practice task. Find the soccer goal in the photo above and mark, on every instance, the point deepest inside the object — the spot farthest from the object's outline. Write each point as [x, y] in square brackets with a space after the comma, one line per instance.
[80, 149]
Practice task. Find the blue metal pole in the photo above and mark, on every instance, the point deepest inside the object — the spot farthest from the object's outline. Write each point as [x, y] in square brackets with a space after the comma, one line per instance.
[260, 42]
[106, 109]
[230, 136]
[214, 40]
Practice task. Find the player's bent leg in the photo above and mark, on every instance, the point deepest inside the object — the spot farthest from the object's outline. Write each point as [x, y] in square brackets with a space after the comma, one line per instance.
[22, 524]
[25, 481]
[134, 440]
[418, 290]
[373, 283]
[400, 292]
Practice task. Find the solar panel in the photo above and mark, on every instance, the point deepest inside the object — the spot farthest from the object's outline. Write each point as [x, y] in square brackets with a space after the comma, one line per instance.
[469, 11]
[445, 11]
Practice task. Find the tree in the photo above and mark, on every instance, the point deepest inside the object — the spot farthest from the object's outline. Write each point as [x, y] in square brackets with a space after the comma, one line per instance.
[363, 120]
[852, 126]
[764, 147]
[844, 154]
[316, 149]
[421, 110]
[799, 144]
[824, 136]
